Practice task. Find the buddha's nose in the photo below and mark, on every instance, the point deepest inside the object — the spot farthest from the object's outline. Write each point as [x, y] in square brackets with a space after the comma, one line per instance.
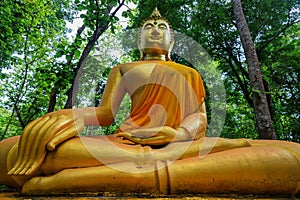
[155, 32]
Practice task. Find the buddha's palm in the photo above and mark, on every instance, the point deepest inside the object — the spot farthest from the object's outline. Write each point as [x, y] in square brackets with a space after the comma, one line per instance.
[151, 136]
[44, 133]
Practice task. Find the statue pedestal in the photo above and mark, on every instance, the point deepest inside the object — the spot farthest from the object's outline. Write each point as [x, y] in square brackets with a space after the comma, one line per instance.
[12, 194]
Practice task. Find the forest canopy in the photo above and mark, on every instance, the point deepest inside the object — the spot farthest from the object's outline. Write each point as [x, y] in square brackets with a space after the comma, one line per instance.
[42, 57]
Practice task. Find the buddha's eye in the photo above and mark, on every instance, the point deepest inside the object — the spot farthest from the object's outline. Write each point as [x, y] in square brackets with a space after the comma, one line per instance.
[148, 26]
[162, 26]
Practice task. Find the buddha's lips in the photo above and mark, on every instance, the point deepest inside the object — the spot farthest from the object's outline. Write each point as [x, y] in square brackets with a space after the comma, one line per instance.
[155, 37]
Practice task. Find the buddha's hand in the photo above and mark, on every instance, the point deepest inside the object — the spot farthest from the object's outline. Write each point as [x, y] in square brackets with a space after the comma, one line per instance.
[44, 133]
[155, 136]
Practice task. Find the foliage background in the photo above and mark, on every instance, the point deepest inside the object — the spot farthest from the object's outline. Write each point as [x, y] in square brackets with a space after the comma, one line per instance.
[40, 56]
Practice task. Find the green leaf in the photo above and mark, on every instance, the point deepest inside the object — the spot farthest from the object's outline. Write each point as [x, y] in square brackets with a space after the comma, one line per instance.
[77, 53]
[68, 57]
[125, 14]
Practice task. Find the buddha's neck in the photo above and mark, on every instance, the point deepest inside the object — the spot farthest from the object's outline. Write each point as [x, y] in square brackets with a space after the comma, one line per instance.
[155, 57]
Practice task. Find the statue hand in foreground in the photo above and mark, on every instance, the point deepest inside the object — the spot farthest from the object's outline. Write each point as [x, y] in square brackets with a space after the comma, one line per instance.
[155, 136]
[44, 133]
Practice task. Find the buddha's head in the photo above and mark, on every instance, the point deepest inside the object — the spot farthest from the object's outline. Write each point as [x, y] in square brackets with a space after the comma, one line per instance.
[156, 36]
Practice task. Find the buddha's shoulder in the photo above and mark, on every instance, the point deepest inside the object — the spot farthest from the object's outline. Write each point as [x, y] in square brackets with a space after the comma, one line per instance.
[183, 69]
[180, 66]
[131, 64]
[168, 64]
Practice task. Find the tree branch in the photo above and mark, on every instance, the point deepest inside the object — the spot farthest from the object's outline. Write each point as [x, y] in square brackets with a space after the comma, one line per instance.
[19, 116]
[96, 34]
[276, 35]
[97, 13]
[23, 81]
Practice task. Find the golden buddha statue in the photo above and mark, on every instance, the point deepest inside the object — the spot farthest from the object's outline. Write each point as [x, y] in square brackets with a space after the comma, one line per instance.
[160, 148]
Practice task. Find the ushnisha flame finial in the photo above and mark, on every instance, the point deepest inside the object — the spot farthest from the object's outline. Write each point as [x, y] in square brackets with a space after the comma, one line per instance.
[155, 14]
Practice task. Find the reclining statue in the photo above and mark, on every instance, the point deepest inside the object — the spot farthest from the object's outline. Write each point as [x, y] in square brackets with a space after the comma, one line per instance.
[161, 147]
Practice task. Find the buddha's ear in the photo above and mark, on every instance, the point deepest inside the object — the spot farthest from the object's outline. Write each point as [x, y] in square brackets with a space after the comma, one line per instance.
[170, 50]
[142, 55]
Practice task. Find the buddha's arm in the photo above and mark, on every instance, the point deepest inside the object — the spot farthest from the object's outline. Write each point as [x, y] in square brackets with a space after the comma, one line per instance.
[112, 97]
[54, 128]
[195, 124]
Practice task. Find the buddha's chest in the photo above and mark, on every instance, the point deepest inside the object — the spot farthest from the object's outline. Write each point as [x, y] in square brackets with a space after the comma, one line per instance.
[136, 77]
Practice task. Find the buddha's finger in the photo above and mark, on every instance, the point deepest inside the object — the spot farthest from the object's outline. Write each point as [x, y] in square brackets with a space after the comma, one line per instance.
[21, 144]
[37, 134]
[25, 135]
[157, 140]
[26, 141]
[129, 137]
[67, 131]
[146, 132]
[58, 123]
[136, 140]
[38, 144]
[124, 134]
[64, 135]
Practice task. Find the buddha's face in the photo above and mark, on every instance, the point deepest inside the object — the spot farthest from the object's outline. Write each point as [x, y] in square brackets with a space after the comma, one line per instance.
[155, 37]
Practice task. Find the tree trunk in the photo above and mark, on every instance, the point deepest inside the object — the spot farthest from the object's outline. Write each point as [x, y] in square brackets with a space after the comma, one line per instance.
[72, 92]
[261, 108]
[52, 100]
